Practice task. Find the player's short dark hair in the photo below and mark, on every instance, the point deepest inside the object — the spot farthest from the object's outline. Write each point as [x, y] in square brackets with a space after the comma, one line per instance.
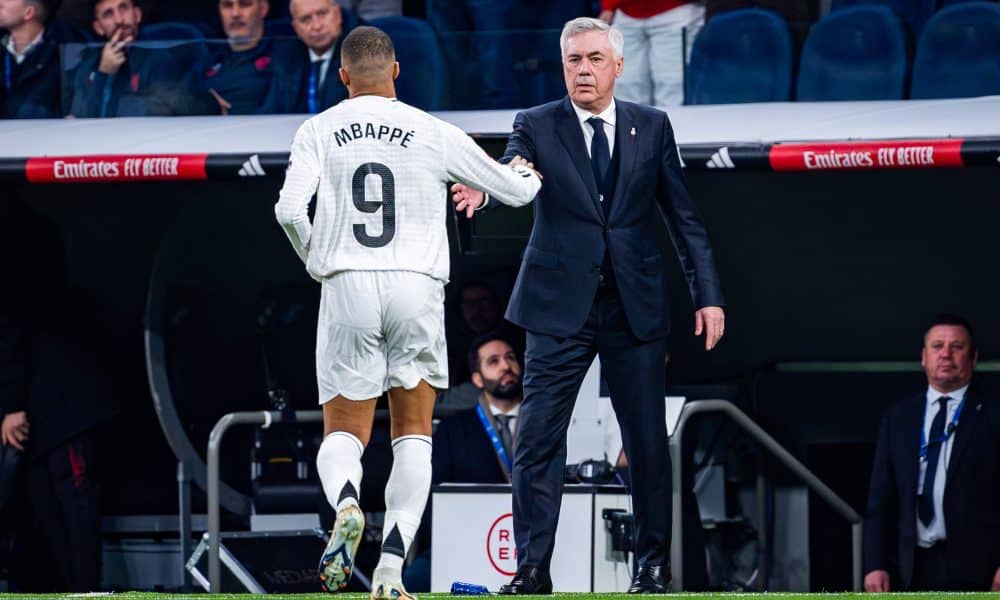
[473, 354]
[955, 320]
[367, 44]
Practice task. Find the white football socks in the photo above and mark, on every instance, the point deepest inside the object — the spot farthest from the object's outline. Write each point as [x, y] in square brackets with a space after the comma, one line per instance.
[339, 465]
[405, 499]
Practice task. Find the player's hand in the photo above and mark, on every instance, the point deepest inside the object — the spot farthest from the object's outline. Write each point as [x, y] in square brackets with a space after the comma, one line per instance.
[224, 105]
[996, 582]
[711, 320]
[14, 430]
[607, 16]
[113, 55]
[877, 582]
[520, 161]
[466, 198]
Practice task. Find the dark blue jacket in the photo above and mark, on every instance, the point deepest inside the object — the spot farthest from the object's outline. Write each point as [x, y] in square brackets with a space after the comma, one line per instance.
[971, 495]
[571, 235]
[290, 91]
[154, 81]
[244, 78]
[33, 89]
[463, 452]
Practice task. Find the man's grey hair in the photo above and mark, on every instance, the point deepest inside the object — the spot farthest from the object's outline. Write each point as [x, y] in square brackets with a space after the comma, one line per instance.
[583, 25]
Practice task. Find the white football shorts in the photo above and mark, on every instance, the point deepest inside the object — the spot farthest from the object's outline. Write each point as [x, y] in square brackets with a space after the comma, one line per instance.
[379, 330]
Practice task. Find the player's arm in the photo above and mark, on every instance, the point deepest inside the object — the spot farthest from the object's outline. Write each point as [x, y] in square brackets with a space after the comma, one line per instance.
[301, 181]
[469, 164]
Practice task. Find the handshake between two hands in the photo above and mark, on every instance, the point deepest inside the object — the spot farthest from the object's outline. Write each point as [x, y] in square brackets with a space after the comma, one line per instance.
[470, 199]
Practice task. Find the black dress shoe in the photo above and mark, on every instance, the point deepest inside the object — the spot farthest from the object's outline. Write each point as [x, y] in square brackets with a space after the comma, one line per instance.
[528, 580]
[650, 579]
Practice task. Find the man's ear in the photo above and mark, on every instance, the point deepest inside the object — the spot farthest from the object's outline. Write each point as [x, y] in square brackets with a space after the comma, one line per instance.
[97, 28]
[344, 77]
[138, 14]
[266, 8]
[477, 380]
[395, 70]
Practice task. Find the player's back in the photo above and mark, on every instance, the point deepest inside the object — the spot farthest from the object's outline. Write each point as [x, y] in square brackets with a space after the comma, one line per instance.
[382, 199]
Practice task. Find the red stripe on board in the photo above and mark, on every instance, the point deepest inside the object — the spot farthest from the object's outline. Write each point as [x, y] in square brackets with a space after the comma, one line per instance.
[907, 154]
[123, 167]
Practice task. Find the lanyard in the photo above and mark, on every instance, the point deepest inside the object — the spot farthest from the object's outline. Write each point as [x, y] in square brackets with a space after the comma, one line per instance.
[950, 429]
[7, 75]
[494, 437]
[313, 72]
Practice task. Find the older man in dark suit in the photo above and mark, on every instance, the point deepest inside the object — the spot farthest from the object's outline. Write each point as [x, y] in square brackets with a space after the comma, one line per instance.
[933, 521]
[593, 282]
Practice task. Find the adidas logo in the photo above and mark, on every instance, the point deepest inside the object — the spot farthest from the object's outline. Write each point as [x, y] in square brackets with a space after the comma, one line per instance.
[252, 168]
[721, 160]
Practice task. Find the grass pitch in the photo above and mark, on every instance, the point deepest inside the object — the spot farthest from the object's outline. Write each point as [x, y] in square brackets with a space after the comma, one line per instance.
[567, 596]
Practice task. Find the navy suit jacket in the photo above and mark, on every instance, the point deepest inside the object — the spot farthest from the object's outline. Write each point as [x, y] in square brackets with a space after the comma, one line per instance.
[463, 453]
[971, 496]
[35, 90]
[558, 279]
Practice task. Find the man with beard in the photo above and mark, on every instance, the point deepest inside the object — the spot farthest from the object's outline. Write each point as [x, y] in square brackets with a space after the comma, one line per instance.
[476, 445]
[122, 80]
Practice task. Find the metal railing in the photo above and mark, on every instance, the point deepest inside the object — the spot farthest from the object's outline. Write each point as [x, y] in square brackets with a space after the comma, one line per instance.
[784, 457]
[264, 418]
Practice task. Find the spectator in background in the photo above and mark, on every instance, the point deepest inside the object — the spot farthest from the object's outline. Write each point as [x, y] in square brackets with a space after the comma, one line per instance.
[658, 37]
[121, 79]
[242, 71]
[933, 517]
[478, 312]
[465, 448]
[373, 9]
[307, 80]
[30, 70]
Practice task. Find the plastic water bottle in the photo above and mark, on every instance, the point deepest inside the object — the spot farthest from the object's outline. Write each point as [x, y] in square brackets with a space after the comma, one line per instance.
[460, 588]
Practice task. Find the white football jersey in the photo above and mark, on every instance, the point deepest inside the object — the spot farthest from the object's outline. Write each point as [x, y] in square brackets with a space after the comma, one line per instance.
[378, 168]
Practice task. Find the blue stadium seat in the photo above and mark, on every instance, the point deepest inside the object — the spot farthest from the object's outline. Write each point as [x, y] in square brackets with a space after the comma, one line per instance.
[422, 79]
[913, 12]
[859, 53]
[741, 56]
[959, 53]
[279, 28]
[170, 31]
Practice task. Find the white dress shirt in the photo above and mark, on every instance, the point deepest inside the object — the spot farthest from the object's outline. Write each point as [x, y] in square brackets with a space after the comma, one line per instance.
[512, 413]
[19, 57]
[323, 68]
[936, 532]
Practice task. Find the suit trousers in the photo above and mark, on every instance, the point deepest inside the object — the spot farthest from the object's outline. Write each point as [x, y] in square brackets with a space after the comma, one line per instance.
[636, 377]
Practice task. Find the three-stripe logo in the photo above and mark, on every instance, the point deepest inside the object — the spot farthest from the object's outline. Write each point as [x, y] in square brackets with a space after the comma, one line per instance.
[721, 160]
[252, 167]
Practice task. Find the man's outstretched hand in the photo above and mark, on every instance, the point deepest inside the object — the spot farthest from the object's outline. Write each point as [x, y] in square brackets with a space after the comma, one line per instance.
[470, 199]
[466, 198]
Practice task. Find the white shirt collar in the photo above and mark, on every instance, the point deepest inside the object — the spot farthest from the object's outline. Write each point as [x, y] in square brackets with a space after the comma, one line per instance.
[326, 56]
[955, 396]
[608, 115]
[511, 413]
[8, 43]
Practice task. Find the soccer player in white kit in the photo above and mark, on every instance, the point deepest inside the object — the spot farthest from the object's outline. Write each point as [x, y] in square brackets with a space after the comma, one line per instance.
[379, 247]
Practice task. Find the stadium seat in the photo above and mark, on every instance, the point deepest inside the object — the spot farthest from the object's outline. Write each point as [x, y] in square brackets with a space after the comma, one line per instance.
[914, 13]
[859, 53]
[278, 28]
[171, 31]
[422, 79]
[741, 56]
[959, 53]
